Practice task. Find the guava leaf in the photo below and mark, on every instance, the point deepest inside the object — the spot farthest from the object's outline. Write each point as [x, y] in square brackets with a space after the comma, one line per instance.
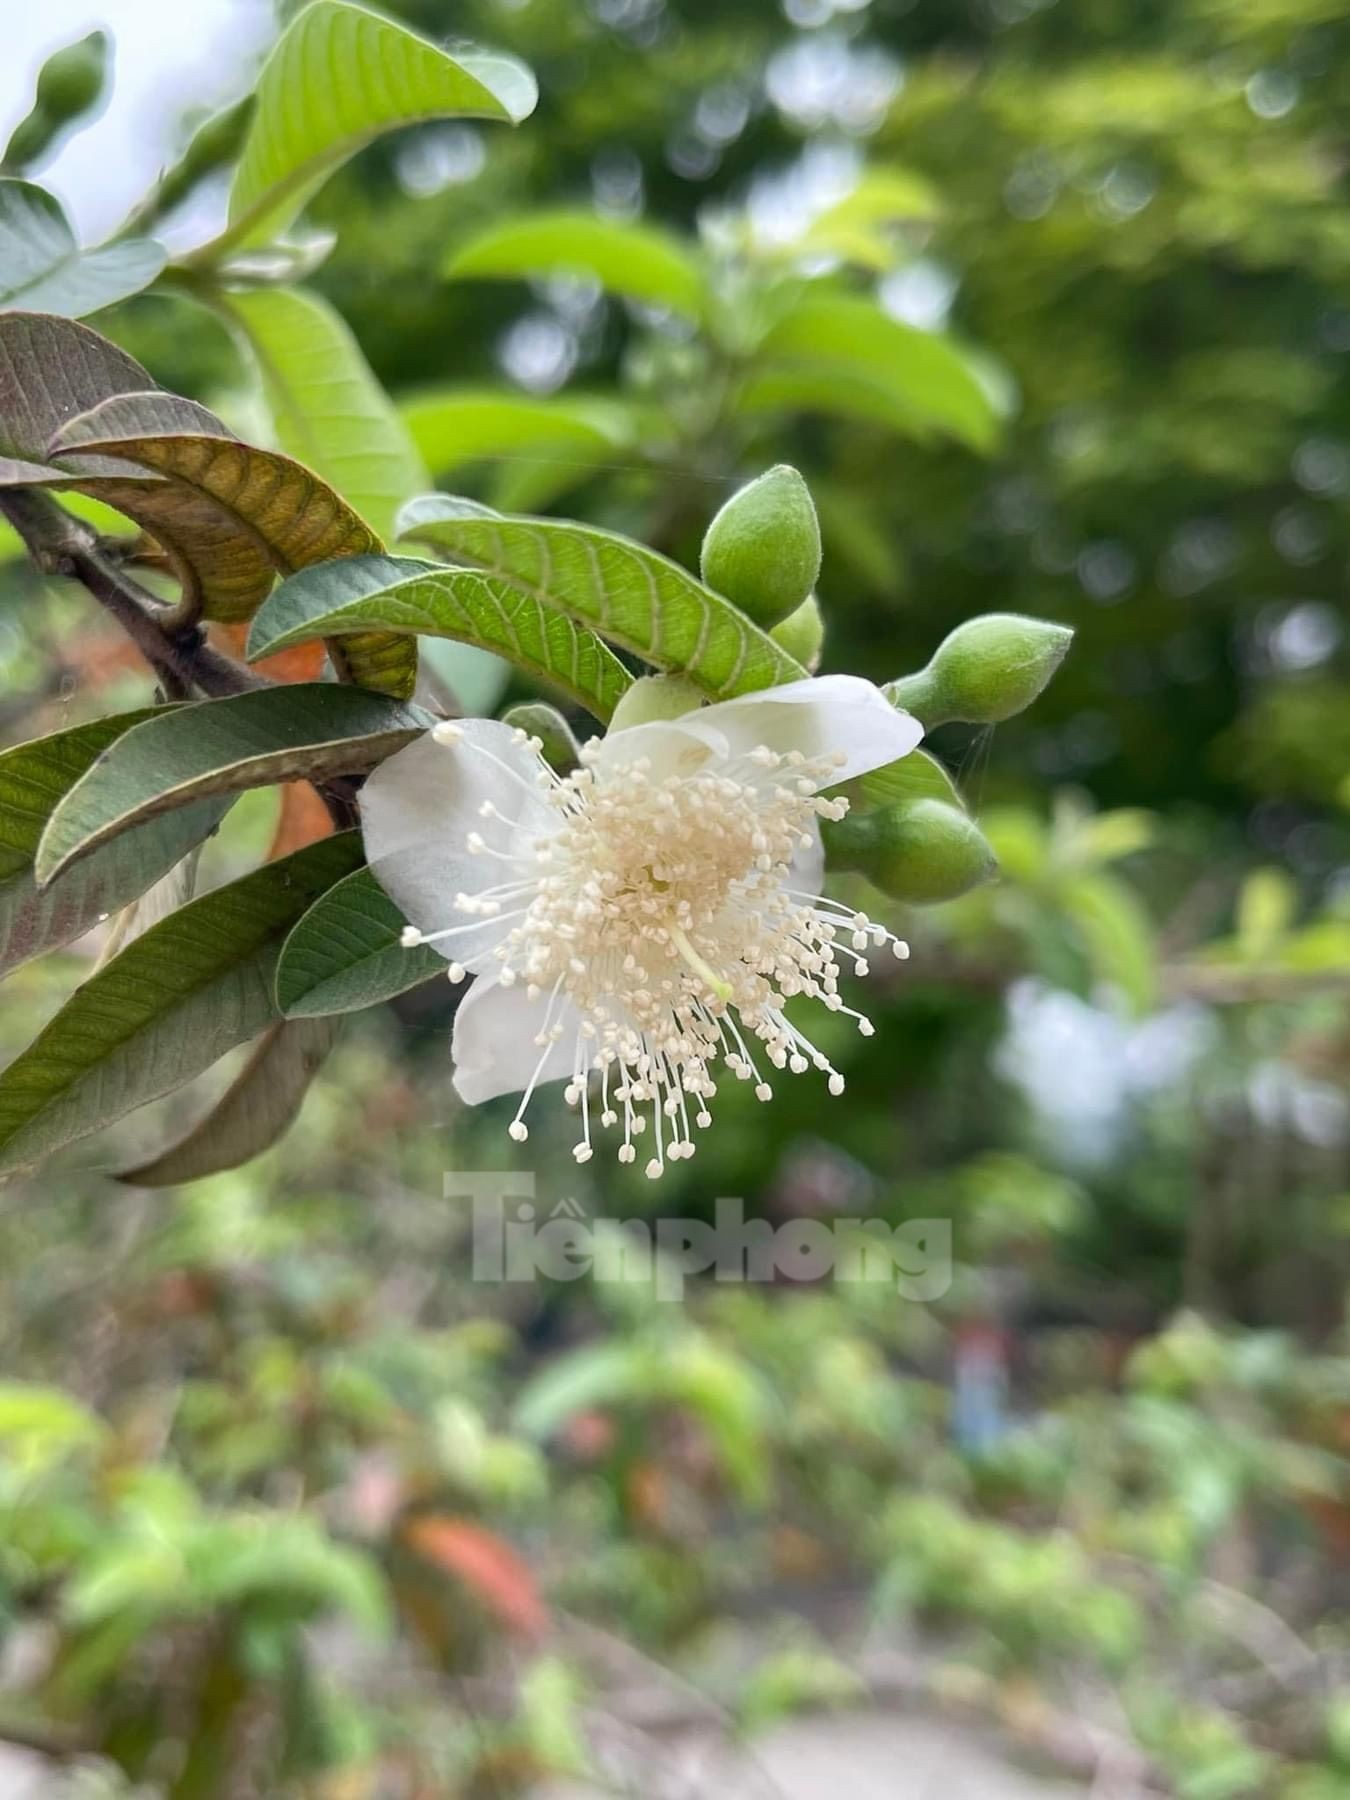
[637, 261]
[627, 593]
[171, 1004]
[43, 268]
[33, 779]
[345, 954]
[253, 1113]
[337, 78]
[403, 594]
[303, 731]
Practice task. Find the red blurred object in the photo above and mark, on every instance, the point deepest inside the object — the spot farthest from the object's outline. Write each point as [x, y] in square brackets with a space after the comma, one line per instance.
[487, 1565]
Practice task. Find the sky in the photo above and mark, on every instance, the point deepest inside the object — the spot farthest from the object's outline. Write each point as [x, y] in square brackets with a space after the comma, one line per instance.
[169, 56]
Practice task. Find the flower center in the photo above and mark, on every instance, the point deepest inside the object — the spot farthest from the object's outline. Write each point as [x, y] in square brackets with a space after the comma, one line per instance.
[665, 920]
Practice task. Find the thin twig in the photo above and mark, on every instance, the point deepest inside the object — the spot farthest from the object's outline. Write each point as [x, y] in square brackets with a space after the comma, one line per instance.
[61, 544]
[1229, 986]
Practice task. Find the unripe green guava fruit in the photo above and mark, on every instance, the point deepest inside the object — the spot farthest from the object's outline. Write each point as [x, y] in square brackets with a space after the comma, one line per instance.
[923, 852]
[802, 633]
[537, 719]
[216, 142]
[654, 697]
[68, 84]
[984, 671]
[762, 551]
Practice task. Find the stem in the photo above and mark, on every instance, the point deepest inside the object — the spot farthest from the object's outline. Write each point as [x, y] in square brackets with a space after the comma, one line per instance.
[918, 694]
[61, 544]
[213, 1747]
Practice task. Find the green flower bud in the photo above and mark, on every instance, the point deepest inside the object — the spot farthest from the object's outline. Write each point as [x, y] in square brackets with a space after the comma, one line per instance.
[923, 852]
[539, 720]
[763, 549]
[802, 633]
[984, 671]
[217, 141]
[654, 697]
[68, 84]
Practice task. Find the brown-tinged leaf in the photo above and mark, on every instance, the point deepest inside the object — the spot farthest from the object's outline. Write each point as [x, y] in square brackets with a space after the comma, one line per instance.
[297, 516]
[255, 1111]
[76, 412]
[51, 371]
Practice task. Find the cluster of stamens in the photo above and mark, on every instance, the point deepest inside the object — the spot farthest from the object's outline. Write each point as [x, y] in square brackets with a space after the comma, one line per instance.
[662, 908]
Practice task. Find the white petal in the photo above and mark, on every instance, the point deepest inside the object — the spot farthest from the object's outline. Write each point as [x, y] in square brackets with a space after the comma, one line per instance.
[417, 811]
[673, 746]
[493, 1044]
[826, 713]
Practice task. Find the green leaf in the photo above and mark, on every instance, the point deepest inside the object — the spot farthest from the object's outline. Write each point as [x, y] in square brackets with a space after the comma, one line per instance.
[1107, 837]
[839, 352]
[35, 775]
[862, 227]
[327, 407]
[596, 1375]
[345, 954]
[337, 78]
[329, 410]
[33, 779]
[558, 744]
[216, 142]
[278, 1561]
[70, 84]
[886, 194]
[837, 392]
[308, 731]
[628, 593]
[1117, 935]
[918, 776]
[1266, 909]
[43, 269]
[637, 261]
[255, 1111]
[401, 594]
[455, 426]
[724, 1393]
[29, 1411]
[174, 1001]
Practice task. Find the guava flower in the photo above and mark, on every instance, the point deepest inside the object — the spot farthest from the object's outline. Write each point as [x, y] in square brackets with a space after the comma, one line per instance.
[642, 923]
